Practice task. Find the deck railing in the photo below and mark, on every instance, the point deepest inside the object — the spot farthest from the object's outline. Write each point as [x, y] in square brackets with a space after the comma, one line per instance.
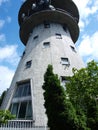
[21, 125]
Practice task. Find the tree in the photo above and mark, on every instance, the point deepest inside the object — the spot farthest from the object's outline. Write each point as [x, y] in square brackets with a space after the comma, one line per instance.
[76, 107]
[2, 97]
[82, 91]
[56, 109]
[5, 115]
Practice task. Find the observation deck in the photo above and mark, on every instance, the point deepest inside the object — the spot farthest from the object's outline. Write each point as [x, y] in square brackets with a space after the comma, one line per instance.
[33, 13]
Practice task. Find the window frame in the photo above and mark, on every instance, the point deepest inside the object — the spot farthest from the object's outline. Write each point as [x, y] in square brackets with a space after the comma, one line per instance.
[73, 48]
[46, 44]
[58, 36]
[63, 80]
[46, 24]
[28, 64]
[65, 61]
[22, 99]
[35, 37]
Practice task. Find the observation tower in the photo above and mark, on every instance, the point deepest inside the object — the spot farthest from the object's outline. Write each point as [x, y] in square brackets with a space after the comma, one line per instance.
[49, 30]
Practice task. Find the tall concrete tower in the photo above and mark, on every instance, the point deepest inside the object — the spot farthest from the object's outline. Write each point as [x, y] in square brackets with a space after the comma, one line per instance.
[49, 30]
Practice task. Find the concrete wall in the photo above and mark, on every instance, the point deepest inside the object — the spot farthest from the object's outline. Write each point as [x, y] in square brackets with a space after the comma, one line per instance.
[41, 56]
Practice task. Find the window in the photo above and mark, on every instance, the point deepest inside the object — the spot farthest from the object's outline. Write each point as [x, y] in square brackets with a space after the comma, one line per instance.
[23, 54]
[28, 64]
[73, 49]
[29, 110]
[65, 28]
[23, 89]
[22, 110]
[15, 108]
[21, 105]
[46, 44]
[46, 24]
[64, 61]
[58, 36]
[35, 37]
[64, 81]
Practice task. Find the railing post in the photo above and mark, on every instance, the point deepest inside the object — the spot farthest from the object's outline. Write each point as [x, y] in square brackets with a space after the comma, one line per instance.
[21, 125]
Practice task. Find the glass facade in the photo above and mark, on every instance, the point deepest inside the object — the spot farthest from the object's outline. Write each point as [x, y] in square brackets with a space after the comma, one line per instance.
[21, 105]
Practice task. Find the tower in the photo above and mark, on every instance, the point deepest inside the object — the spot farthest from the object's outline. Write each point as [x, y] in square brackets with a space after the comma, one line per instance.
[49, 30]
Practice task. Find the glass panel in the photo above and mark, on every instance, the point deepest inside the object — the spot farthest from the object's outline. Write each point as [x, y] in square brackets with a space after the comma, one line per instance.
[35, 37]
[24, 93]
[28, 64]
[23, 90]
[26, 90]
[46, 24]
[65, 61]
[73, 49]
[29, 90]
[46, 44]
[58, 36]
[15, 107]
[29, 111]
[22, 111]
[18, 91]
[22, 108]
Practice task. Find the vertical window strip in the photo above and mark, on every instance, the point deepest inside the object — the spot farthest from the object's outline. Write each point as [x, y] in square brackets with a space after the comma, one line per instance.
[19, 107]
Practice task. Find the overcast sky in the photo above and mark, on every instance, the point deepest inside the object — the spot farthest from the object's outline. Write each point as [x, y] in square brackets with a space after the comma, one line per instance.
[11, 47]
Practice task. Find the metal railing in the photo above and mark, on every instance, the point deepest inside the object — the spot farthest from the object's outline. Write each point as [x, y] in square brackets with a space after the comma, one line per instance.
[21, 125]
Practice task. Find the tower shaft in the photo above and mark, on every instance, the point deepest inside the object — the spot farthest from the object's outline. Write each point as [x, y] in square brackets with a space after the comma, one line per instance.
[49, 33]
[49, 43]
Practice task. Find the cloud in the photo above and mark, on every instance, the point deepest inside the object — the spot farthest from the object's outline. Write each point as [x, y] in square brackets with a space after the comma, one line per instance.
[3, 1]
[86, 9]
[88, 47]
[2, 37]
[8, 19]
[9, 54]
[2, 22]
[6, 75]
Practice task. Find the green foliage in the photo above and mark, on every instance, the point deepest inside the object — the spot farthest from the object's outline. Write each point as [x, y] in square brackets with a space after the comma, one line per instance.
[60, 112]
[82, 91]
[5, 115]
[77, 107]
[2, 97]
[54, 100]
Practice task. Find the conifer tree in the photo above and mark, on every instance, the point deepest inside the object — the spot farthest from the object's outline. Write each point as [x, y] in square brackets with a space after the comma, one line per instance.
[54, 95]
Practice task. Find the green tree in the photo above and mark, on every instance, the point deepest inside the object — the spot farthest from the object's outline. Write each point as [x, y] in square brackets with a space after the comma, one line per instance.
[82, 91]
[76, 107]
[5, 115]
[2, 97]
[57, 111]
